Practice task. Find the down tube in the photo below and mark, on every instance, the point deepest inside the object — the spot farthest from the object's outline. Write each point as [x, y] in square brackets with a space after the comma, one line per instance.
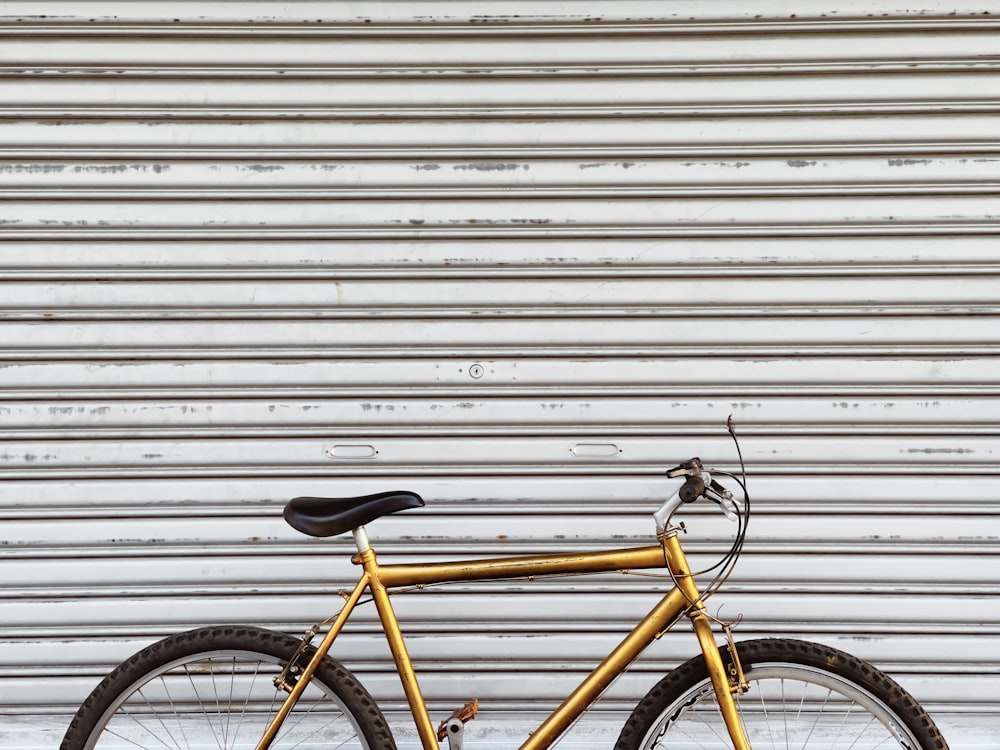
[660, 618]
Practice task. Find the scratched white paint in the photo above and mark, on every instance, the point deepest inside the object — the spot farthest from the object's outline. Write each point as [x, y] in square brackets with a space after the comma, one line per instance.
[885, 256]
[801, 135]
[638, 176]
[516, 257]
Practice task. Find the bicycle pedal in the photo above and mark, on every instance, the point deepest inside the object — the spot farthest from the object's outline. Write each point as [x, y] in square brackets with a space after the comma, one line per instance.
[454, 726]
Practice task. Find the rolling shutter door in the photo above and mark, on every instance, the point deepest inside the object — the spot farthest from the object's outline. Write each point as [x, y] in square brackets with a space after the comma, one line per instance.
[518, 264]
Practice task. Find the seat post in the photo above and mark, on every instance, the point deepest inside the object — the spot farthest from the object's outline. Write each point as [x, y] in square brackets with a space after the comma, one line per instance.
[361, 539]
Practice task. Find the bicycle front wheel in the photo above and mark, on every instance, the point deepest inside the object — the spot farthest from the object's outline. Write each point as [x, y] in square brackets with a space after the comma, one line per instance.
[802, 695]
[213, 689]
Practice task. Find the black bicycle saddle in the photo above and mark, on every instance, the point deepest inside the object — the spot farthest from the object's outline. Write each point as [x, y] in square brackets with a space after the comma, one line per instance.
[329, 516]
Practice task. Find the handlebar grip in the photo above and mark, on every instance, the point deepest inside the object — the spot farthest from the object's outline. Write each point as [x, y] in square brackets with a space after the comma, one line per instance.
[692, 489]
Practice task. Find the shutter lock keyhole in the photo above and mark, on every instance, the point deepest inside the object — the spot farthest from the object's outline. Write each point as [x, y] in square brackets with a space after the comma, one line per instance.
[476, 371]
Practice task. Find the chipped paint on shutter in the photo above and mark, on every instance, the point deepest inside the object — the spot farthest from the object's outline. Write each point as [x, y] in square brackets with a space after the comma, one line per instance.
[473, 251]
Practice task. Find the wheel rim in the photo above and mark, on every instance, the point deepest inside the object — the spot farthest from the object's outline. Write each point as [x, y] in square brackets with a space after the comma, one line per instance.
[222, 700]
[791, 707]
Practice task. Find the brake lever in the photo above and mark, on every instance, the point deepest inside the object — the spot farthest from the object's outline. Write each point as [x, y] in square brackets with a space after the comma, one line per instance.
[690, 468]
[723, 498]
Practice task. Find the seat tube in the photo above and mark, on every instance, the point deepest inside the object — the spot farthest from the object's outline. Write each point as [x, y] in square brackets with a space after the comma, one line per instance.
[677, 562]
[394, 637]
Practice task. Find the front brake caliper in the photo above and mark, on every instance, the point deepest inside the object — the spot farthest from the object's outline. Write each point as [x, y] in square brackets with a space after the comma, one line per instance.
[737, 680]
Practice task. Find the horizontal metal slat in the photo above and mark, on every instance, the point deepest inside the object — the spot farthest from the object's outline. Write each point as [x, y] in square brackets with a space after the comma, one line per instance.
[810, 373]
[918, 612]
[909, 136]
[891, 413]
[463, 527]
[711, 334]
[484, 216]
[662, 48]
[485, 297]
[826, 93]
[369, 651]
[875, 568]
[417, 259]
[389, 178]
[474, 340]
[235, 68]
[812, 496]
[600, 454]
[450, 690]
[587, 18]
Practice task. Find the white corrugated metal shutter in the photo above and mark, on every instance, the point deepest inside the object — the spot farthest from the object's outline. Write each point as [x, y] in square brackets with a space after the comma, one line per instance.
[518, 258]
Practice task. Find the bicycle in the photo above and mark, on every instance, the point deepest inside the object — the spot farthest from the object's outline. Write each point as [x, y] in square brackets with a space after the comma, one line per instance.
[239, 687]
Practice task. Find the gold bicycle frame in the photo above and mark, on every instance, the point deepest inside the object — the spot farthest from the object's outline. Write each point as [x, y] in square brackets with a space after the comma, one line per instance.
[683, 598]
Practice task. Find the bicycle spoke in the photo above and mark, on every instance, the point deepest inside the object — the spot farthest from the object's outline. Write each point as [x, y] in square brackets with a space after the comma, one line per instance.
[317, 730]
[129, 740]
[156, 714]
[819, 713]
[145, 729]
[288, 727]
[719, 736]
[176, 713]
[703, 717]
[250, 692]
[767, 721]
[232, 686]
[784, 714]
[199, 702]
[861, 733]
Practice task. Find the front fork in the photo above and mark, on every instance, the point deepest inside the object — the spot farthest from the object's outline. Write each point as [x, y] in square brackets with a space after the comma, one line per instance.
[677, 562]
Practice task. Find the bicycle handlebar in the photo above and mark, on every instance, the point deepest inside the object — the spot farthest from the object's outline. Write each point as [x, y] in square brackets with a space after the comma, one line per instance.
[697, 483]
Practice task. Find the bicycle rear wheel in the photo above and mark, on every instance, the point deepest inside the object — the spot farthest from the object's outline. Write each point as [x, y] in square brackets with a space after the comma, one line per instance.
[212, 689]
[802, 695]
